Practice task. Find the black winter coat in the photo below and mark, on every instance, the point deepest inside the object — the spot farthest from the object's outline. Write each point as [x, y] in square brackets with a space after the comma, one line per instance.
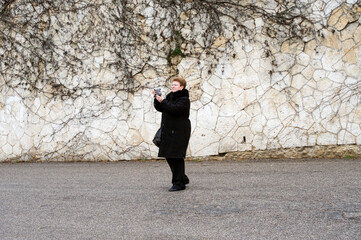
[176, 126]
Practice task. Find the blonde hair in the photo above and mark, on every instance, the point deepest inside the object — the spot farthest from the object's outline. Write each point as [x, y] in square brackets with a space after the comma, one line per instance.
[181, 81]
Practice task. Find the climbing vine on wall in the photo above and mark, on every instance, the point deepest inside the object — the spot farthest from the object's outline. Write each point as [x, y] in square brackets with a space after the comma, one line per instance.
[53, 47]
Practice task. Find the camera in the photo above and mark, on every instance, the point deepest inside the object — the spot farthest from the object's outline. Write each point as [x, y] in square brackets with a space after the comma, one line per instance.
[158, 91]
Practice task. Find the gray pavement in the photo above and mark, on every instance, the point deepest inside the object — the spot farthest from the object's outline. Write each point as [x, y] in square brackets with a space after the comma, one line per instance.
[290, 199]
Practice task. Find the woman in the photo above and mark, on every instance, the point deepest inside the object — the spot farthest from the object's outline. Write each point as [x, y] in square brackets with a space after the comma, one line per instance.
[176, 130]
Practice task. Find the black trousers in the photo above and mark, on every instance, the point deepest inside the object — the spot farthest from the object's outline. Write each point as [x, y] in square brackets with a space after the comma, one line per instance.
[177, 167]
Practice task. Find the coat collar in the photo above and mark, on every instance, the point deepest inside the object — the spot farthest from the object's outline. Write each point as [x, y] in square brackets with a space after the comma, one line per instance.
[182, 93]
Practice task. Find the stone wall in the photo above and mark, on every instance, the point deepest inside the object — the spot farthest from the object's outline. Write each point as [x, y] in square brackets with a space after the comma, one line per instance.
[265, 77]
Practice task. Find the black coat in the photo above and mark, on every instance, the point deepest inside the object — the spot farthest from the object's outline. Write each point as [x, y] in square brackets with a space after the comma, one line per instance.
[176, 126]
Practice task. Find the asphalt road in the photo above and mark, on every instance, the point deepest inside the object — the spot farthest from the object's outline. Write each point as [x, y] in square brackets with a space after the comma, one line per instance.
[309, 199]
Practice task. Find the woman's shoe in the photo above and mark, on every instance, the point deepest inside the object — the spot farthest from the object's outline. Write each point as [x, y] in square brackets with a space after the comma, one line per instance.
[185, 179]
[176, 188]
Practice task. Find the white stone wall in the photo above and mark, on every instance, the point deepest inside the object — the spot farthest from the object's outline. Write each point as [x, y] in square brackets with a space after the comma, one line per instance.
[251, 89]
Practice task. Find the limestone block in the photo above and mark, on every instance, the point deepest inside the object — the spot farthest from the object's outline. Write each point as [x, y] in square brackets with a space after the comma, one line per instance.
[150, 117]
[134, 137]
[316, 64]
[302, 120]
[227, 144]
[46, 130]
[243, 135]
[299, 81]
[348, 45]
[257, 124]
[104, 125]
[195, 105]
[272, 128]
[312, 140]
[37, 103]
[295, 69]
[259, 22]
[348, 33]
[351, 56]
[319, 74]
[308, 72]
[219, 41]
[269, 108]
[312, 83]
[332, 125]
[229, 108]
[253, 109]
[225, 70]
[236, 91]
[242, 118]
[338, 18]
[35, 119]
[246, 79]
[352, 70]
[7, 149]
[345, 109]
[326, 139]
[246, 98]
[259, 142]
[238, 49]
[331, 39]
[4, 127]
[121, 131]
[326, 111]
[357, 119]
[310, 47]
[276, 96]
[345, 137]
[244, 147]
[208, 88]
[205, 98]
[293, 46]
[329, 6]
[223, 94]
[215, 81]
[136, 118]
[207, 116]
[324, 84]
[48, 147]
[284, 61]
[307, 90]
[309, 103]
[331, 57]
[274, 46]
[353, 14]
[357, 34]
[147, 131]
[290, 137]
[137, 102]
[204, 142]
[184, 16]
[3, 140]
[109, 77]
[303, 59]
[17, 149]
[285, 111]
[273, 144]
[358, 140]
[225, 125]
[277, 80]
[248, 47]
[338, 77]
[188, 63]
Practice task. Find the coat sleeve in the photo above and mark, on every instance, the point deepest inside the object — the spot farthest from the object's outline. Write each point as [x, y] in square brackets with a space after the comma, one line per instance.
[158, 106]
[177, 108]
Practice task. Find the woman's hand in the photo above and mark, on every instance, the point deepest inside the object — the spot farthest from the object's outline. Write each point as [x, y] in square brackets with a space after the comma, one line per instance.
[159, 98]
